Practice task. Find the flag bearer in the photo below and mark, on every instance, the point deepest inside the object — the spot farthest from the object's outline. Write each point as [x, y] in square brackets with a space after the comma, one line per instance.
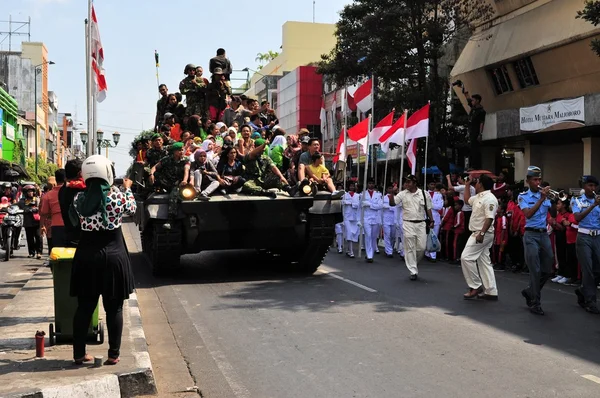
[372, 204]
[351, 203]
[389, 221]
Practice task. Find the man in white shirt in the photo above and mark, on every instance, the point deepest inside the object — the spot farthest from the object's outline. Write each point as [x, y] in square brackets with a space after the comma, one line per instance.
[372, 203]
[413, 202]
[351, 204]
[389, 221]
[475, 258]
[460, 189]
[437, 205]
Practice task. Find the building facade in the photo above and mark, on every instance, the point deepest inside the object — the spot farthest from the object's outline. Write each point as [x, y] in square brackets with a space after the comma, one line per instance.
[299, 96]
[540, 83]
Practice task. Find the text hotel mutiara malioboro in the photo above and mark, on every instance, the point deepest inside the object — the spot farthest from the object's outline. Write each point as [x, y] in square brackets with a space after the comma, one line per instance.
[551, 117]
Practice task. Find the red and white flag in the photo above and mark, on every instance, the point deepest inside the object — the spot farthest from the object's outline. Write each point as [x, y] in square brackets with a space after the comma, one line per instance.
[411, 156]
[350, 105]
[97, 53]
[384, 125]
[417, 125]
[340, 151]
[323, 118]
[363, 96]
[394, 134]
[359, 130]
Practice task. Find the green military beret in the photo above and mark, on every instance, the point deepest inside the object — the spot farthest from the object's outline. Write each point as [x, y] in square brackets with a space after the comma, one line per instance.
[259, 142]
[176, 146]
[156, 136]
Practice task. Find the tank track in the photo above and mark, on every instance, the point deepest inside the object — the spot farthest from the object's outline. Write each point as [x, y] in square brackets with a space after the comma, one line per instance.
[321, 232]
[164, 247]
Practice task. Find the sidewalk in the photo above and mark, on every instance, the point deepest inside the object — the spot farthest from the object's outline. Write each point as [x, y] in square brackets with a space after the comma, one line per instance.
[55, 375]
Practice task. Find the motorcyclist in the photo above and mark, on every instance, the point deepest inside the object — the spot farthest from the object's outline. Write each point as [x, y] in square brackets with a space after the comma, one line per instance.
[7, 190]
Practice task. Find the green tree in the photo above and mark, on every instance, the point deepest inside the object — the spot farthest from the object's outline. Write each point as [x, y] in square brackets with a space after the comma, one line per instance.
[45, 170]
[265, 58]
[401, 43]
[591, 13]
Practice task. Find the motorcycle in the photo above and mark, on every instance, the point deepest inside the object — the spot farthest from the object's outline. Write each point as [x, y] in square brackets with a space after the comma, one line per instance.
[11, 226]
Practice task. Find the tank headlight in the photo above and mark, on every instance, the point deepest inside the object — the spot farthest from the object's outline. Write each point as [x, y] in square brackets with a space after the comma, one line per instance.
[188, 192]
[307, 188]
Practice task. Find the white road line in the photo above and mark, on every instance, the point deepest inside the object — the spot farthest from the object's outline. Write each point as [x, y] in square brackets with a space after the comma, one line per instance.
[368, 289]
[593, 378]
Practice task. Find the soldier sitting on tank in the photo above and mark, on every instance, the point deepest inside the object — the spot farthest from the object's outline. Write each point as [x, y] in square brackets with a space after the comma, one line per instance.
[156, 152]
[172, 172]
[261, 173]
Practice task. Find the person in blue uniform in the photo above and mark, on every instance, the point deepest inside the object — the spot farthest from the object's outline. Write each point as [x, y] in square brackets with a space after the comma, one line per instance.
[538, 250]
[587, 213]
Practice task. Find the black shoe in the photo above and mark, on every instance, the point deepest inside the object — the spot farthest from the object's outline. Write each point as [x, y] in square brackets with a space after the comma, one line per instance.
[528, 299]
[499, 268]
[270, 194]
[489, 297]
[413, 277]
[591, 308]
[537, 310]
[369, 260]
[580, 298]
[389, 255]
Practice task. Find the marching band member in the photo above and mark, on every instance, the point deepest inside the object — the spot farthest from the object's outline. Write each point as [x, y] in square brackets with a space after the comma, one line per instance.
[372, 203]
[389, 221]
[351, 203]
[437, 205]
[587, 213]
[538, 251]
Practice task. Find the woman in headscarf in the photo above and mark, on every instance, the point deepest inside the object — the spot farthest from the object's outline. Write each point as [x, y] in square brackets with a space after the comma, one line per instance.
[208, 147]
[205, 178]
[276, 150]
[101, 266]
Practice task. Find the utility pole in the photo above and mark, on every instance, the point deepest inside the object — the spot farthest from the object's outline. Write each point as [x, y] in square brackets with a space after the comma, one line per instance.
[17, 31]
[314, 4]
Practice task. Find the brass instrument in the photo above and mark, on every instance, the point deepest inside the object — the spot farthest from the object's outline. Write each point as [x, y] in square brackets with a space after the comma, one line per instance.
[557, 195]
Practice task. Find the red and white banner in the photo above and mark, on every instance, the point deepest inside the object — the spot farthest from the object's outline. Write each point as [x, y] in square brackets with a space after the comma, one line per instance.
[340, 151]
[394, 134]
[411, 156]
[384, 125]
[350, 105]
[363, 96]
[417, 125]
[359, 131]
[97, 53]
[323, 117]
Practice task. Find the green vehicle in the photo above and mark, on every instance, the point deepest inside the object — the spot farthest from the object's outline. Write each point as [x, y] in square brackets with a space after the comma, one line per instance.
[296, 231]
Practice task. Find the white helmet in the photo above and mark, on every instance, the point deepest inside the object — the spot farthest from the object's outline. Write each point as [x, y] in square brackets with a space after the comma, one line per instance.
[97, 166]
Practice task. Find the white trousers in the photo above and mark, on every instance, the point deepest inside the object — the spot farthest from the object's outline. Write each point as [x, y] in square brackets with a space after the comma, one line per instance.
[339, 236]
[436, 229]
[371, 234]
[399, 239]
[415, 240]
[475, 261]
[389, 236]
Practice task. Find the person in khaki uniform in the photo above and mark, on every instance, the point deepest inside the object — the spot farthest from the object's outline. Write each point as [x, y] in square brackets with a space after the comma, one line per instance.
[416, 208]
[475, 258]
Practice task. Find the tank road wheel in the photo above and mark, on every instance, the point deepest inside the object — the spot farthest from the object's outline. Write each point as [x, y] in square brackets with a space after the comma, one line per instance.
[165, 250]
[321, 231]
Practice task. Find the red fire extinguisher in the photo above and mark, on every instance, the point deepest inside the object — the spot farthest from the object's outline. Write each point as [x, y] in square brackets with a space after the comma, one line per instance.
[39, 343]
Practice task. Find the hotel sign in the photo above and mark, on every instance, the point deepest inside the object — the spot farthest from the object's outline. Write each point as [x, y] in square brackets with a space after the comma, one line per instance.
[543, 116]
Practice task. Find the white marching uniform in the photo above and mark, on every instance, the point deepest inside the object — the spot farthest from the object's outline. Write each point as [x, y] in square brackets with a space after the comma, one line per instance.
[413, 223]
[351, 205]
[437, 205]
[399, 231]
[372, 203]
[339, 236]
[389, 225]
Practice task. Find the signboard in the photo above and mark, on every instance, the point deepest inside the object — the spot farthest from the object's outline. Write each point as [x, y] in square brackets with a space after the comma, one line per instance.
[10, 132]
[1, 124]
[543, 116]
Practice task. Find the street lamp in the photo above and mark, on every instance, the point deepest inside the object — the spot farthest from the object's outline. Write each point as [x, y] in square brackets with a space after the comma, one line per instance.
[37, 70]
[265, 78]
[102, 143]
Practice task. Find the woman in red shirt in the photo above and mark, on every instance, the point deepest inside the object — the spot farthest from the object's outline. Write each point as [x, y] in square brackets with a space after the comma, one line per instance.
[446, 227]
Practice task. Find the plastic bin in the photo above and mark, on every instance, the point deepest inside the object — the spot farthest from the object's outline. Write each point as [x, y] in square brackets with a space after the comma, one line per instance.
[61, 260]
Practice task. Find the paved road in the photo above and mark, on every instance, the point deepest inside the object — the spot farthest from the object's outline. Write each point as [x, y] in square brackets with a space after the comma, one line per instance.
[15, 273]
[361, 330]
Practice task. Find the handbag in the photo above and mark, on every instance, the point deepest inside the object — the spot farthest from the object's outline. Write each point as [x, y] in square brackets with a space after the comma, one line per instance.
[36, 216]
[427, 220]
[433, 243]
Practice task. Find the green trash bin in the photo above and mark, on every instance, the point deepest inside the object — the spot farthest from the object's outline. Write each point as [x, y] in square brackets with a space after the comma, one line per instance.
[61, 260]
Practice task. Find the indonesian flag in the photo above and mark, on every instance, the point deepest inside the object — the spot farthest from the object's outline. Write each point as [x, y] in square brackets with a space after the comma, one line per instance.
[340, 151]
[350, 105]
[418, 124]
[359, 130]
[323, 118]
[97, 53]
[384, 125]
[395, 134]
[363, 96]
[411, 156]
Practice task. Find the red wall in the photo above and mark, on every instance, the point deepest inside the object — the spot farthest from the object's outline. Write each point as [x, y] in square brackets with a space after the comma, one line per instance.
[310, 95]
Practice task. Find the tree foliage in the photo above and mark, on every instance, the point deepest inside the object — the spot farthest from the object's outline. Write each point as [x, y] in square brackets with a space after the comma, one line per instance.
[265, 58]
[401, 42]
[45, 170]
[591, 13]
[144, 135]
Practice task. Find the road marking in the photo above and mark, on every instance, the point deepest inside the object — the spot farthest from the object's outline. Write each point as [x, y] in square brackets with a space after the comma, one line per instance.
[368, 289]
[593, 378]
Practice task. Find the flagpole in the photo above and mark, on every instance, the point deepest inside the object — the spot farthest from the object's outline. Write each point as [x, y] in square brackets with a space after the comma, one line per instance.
[426, 147]
[345, 107]
[403, 151]
[373, 158]
[90, 84]
[157, 66]
[93, 137]
[88, 67]
[364, 191]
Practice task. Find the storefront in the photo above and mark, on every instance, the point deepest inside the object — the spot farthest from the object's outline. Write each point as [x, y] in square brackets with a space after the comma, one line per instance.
[8, 125]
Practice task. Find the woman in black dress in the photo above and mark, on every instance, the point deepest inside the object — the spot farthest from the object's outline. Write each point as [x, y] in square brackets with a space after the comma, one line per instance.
[101, 266]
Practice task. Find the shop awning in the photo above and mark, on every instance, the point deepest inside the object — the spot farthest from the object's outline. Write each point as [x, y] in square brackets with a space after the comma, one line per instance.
[531, 32]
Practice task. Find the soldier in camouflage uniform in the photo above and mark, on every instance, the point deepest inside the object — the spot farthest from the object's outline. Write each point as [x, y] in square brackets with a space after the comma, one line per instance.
[157, 152]
[161, 105]
[261, 173]
[173, 172]
[194, 90]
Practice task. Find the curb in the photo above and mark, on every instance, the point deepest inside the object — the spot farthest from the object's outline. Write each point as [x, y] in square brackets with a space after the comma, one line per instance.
[120, 384]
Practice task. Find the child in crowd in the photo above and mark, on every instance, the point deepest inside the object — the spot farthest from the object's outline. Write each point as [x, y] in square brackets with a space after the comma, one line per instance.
[339, 231]
[566, 236]
[458, 229]
[500, 239]
[446, 227]
[319, 174]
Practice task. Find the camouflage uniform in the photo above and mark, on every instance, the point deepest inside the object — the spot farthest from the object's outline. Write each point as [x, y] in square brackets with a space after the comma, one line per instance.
[153, 156]
[259, 175]
[194, 89]
[161, 109]
[169, 176]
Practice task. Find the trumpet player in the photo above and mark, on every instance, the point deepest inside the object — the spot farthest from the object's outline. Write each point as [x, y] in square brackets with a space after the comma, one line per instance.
[587, 213]
[538, 251]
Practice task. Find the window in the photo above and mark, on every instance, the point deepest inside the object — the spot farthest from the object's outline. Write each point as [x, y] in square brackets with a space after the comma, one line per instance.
[526, 73]
[501, 80]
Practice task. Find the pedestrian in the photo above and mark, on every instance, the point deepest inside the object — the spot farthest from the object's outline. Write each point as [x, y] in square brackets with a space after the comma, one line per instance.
[372, 203]
[101, 266]
[66, 194]
[538, 251]
[389, 221]
[587, 213]
[437, 205]
[50, 210]
[475, 258]
[416, 208]
[30, 204]
[351, 208]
